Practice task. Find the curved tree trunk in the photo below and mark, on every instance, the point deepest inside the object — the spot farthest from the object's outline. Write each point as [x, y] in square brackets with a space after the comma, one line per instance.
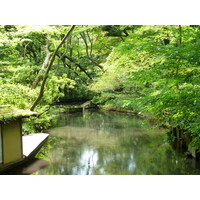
[49, 67]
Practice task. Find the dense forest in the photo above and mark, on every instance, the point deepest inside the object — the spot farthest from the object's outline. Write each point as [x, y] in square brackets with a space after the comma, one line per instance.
[152, 71]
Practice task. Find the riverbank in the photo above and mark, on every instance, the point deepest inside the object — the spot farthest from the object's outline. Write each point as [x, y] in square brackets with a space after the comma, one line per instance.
[179, 138]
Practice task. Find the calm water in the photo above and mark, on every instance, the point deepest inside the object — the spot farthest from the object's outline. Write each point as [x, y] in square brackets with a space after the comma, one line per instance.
[93, 143]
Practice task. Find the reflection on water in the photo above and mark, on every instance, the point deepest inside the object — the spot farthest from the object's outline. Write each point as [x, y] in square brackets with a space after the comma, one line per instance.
[93, 143]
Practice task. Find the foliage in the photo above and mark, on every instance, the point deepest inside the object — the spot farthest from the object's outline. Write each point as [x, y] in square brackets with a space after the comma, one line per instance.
[159, 67]
[16, 94]
[144, 69]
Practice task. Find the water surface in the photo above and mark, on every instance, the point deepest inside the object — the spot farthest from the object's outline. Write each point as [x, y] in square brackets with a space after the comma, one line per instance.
[107, 143]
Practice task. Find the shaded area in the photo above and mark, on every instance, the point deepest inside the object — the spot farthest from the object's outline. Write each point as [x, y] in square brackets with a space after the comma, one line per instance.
[30, 167]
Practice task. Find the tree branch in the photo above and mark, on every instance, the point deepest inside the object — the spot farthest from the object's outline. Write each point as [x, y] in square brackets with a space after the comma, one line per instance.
[79, 66]
[49, 67]
[87, 52]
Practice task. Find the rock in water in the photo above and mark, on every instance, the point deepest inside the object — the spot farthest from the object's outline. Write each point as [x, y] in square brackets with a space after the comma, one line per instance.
[88, 105]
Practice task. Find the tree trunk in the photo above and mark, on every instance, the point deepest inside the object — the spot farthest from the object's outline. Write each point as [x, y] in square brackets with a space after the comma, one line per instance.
[180, 34]
[44, 66]
[49, 67]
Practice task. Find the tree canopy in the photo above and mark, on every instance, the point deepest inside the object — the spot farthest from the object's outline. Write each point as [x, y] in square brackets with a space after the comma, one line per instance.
[148, 69]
